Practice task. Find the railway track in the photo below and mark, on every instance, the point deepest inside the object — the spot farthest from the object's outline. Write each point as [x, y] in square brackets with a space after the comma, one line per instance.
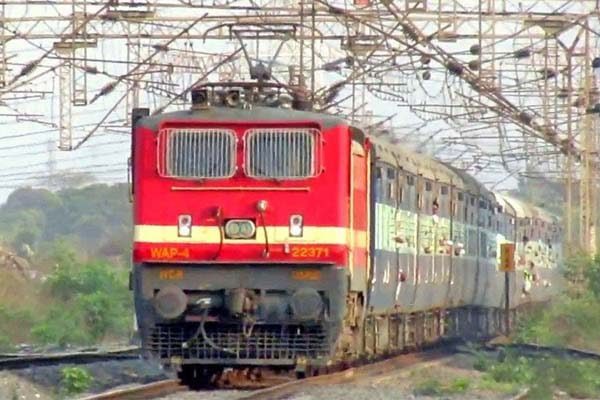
[270, 386]
[536, 350]
[280, 387]
[362, 372]
[148, 391]
[20, 361]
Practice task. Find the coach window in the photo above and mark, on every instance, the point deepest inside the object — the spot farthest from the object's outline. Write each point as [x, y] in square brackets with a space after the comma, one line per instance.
[482, 213]
[444, 201]
[420, 192]
[390, 185]
[483, 247]
[458, 205]
[379, 184]
[409, 195]
[428, 197]
[401, 192]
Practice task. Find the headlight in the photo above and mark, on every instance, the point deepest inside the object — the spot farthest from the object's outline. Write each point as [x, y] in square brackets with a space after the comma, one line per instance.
[239, 229]
[184, 226]
[296, 226]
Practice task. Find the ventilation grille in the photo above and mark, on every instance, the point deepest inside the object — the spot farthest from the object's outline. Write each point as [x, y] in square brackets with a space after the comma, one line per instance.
[286, 153]
[196, 153]
[266, 342]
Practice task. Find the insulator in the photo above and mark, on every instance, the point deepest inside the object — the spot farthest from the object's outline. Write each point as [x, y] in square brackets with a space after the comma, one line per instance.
[455, 68]
[548, 73]
[522, 53]
[28, 68]
[106, 89]
[475, 49]
[410, 33]
[474, 65]
[525, 117]
[596, 62]
[563, 93]
[426, 75]
[160, 47]
[90, 69]
[425, 59]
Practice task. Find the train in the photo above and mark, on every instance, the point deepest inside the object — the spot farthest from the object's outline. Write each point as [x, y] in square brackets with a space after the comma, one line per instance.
[270, 235]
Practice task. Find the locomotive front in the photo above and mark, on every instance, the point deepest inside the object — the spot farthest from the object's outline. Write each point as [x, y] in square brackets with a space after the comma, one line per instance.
[241, 233]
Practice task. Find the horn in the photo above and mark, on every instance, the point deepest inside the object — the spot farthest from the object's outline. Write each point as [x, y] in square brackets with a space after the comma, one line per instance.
[232, 99]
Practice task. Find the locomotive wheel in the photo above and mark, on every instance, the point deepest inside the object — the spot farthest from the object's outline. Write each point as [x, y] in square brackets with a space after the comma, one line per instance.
[198, 377]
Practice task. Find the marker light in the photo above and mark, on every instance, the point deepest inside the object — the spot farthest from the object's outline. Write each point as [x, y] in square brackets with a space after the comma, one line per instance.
[262, 205]
[296, 226]
[184, 227]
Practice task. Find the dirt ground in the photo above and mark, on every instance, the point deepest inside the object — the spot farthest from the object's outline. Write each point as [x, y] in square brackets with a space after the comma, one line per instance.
[14, 387]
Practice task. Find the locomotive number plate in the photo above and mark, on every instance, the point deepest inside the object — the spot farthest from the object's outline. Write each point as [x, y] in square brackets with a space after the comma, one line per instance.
[309, 252]
[306, 275]
[171, 274]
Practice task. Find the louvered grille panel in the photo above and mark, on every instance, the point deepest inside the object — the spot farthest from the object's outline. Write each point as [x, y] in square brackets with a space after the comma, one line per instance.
[230, 342]
[282, 153]
[196, 153]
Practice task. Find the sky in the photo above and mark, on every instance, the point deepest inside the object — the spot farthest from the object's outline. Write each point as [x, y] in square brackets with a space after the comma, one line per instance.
[30, 108]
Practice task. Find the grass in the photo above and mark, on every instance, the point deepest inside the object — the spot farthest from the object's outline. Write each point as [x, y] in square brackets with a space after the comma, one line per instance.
[75, 380]
[80, 303]
[434, 387]
[544, 375]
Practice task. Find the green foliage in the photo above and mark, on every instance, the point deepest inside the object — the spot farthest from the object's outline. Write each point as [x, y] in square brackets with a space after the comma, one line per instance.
[514, 369]
[5, 343]
[429, 387]
[68, 236]
[75, 380]
[433, 387]
[481, 362]
[92, 301]
[94, 215]
[544, 375]
[14, 321]
[592, 276]
[572, 318]
[459, 385]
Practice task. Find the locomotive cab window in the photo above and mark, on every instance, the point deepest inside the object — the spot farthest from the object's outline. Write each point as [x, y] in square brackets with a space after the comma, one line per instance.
[282, 153]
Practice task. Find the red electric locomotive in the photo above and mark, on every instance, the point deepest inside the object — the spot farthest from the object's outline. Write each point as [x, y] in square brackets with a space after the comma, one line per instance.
[272, 236]
[250, 229]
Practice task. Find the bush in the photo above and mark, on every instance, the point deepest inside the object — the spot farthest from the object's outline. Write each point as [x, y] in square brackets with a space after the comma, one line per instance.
[572, 319]
[5, 343]
[429, 387]
[459, 385]
[580, 379]
[75, 380]
[93, 301]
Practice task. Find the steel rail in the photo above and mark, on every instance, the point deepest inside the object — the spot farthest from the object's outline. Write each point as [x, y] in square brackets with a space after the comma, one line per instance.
[533, 349]
[20, 361]
[141, 392]
[348, 375]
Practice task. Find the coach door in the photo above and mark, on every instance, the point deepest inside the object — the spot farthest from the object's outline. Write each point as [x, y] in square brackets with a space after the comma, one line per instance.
[359, 217]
